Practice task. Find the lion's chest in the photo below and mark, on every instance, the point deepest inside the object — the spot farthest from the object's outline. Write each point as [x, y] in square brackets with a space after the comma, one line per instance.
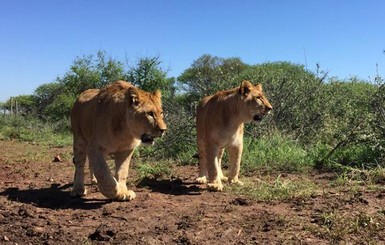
[226, 138]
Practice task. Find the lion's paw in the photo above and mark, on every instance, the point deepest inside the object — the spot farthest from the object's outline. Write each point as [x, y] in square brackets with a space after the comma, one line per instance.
[127, 195]
[215, 186]
[236, 181]
[94, 181]
[225, 179]
[78, 192]
[201, 180]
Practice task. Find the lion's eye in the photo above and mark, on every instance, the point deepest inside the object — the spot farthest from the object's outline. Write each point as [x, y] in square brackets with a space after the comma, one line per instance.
[151, 114]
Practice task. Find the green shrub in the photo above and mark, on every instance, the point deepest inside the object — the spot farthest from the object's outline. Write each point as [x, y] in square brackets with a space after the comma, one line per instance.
[274, 153]
[31, 129]
[295, 94]
[159, 169]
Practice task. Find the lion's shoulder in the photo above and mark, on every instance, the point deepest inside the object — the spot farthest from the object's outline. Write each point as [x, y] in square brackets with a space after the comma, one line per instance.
[88, 95]
[114, 92]
[216, 100]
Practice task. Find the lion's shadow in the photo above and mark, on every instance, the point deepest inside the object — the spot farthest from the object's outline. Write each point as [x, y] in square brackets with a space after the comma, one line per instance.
[53, 197]
[58, 197]
[174, 187]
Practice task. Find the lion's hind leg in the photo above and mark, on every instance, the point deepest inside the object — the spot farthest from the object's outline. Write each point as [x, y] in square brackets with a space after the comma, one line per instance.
[202, 179]
[79, 161]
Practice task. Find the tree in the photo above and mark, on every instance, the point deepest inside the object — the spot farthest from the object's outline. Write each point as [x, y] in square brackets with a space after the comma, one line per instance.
[90, 72]
[149, 76]
[54, 100]
[21, 104]
[209, 74]
[45, 94]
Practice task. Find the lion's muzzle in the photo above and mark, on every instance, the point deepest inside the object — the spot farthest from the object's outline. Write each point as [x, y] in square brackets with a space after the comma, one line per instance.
[148, 138]
[266, 111]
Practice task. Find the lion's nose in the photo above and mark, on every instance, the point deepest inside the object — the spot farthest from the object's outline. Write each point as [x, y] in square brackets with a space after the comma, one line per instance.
[268, 108]
[162, 130]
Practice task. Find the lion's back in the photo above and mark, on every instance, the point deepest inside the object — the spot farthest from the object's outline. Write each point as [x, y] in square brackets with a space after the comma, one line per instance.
[211, 112]
[83, 111]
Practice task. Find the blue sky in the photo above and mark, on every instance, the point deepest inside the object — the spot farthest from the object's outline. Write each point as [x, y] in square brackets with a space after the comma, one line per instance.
[40, 39]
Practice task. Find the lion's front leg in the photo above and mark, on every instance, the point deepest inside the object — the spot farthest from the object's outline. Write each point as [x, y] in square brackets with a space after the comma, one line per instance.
[107, 184]
[214, 179]
[122, 164]
[235, 155]
[220, 173]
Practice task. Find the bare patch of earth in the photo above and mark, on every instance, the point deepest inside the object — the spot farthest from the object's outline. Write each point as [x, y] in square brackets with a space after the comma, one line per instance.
[36, 208]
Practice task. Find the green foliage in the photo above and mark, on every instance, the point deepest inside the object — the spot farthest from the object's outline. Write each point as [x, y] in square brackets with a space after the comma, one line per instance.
[179, 142]
[350, 120]
[92, 72]
[54, 100]
[315, 121]
[22, 104]
[274, 153]
[31, 129]
[209, 74]
[45, 94]
[60, 108]
[148, 75]
[377, 140]
[296, 96]
[156, 170]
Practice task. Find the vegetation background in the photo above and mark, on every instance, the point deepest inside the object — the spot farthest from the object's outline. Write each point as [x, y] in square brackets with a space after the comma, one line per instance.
[317, 121]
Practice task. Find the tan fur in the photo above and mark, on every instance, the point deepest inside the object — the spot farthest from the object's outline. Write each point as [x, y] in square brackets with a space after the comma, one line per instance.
[220, 121]
[113, 120]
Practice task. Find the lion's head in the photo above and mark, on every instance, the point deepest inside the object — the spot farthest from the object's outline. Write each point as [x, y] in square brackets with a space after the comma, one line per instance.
[148, 113]
[134, 111]
[255, 104]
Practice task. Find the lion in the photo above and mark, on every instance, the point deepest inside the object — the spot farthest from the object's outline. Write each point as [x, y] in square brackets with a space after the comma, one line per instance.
[220, 121]
[113, 121]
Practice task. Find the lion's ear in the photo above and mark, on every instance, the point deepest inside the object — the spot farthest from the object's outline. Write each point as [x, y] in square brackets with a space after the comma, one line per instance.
[245, 88]
[157, 93]
[258, 86]
[133, 97]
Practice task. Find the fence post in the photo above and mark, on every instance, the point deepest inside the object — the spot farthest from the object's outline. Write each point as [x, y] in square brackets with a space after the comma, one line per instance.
[16, 109]
[11, 111]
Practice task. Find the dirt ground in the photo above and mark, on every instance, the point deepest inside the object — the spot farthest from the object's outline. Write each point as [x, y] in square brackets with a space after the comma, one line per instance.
[36, 208]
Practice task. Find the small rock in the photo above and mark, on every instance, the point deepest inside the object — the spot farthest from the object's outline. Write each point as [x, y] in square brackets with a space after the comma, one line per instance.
[57, 158]
[5, 238]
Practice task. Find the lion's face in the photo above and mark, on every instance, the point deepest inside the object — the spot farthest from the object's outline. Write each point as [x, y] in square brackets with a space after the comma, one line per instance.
[256, 105]
[149, 117]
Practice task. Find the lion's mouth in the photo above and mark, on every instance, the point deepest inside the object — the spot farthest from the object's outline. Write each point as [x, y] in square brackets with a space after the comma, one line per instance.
[147, 139]
[257, 118]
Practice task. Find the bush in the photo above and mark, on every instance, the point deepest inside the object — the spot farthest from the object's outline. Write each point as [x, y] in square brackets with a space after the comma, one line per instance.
[31, 129]
[295, 94]
[179, 142]
[274, 152]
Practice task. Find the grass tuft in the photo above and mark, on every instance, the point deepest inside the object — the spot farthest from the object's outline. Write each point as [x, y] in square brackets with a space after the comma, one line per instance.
[278, 189]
